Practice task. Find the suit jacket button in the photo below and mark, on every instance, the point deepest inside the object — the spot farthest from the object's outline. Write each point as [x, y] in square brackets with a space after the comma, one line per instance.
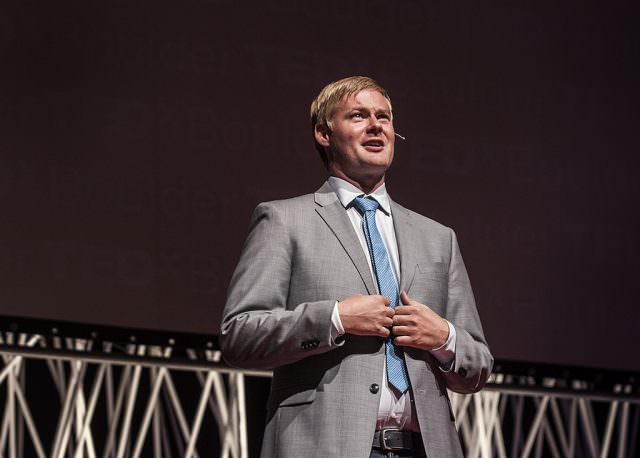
[374, 388]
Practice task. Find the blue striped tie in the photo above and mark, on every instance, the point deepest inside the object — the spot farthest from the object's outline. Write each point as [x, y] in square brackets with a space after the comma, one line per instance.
[396, 368]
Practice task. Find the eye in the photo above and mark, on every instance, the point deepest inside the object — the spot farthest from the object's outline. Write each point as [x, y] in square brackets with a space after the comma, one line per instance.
[357, 115]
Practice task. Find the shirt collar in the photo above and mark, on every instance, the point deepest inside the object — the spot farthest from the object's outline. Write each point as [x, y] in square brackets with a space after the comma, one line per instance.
[346, 192]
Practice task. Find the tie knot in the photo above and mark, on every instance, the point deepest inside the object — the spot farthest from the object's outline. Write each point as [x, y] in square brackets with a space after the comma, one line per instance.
[365, 204]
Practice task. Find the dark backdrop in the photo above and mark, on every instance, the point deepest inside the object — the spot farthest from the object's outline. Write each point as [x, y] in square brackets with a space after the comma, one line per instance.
[137, 137]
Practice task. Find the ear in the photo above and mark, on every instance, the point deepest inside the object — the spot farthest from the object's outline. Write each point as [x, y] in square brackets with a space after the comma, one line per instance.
[322, 135]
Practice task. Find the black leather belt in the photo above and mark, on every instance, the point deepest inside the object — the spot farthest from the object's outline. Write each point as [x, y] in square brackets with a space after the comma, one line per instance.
[393, 439]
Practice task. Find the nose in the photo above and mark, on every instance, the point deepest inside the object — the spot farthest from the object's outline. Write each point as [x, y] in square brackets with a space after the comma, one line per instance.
[375, 126]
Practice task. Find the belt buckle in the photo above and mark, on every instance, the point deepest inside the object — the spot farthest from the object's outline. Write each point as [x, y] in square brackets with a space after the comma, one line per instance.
[386, 446]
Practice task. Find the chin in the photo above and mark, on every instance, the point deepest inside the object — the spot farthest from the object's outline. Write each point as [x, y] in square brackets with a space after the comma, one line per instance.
[378, 162]
[375, 169]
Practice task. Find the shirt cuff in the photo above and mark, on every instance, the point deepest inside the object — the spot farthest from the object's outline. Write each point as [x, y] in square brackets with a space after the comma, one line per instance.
[337, 329]
[446, 353]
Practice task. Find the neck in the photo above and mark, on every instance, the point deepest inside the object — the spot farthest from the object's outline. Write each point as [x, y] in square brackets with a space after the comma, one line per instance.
[365, 184]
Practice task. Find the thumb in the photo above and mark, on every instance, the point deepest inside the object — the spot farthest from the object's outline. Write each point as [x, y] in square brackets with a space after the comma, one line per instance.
[404, 297]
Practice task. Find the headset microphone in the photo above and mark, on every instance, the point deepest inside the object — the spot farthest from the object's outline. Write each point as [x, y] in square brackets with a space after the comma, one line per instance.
[400, 136]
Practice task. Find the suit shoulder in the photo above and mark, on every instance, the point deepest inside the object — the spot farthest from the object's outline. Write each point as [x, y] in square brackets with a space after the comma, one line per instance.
[287, 209]
[283, 205]
[290, 202]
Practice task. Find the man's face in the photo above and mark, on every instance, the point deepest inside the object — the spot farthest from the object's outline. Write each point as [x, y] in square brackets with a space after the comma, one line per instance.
[362, 136]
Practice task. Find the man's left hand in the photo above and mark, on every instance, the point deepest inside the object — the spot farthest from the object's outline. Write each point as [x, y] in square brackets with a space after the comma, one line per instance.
[416, 325]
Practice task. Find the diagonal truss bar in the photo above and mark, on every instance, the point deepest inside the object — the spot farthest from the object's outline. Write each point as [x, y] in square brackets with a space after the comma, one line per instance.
[33, 432]
[93, 398]
[199, 414]
[115, 412]
[151, 407]
[128, 414]
[64, 421]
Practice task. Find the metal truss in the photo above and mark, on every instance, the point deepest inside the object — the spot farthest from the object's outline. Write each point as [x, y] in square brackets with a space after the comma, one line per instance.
[126, 402]
[140, 418]
[522, 423]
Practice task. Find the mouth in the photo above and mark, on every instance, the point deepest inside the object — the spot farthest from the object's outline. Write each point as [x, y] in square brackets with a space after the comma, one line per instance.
[373, 145]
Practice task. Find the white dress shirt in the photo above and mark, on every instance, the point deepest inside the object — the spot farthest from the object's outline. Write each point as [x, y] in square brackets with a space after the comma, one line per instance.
[395, 409]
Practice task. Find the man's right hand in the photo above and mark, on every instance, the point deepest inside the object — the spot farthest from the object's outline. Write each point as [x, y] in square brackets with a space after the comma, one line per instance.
[366, 315]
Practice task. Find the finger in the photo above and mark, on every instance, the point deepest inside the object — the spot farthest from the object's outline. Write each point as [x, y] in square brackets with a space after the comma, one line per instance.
[401, 320]
[387, 301]
[404, 310]
[401, 331]
[384, 332]
[390, 312]
[407, 301]
[387, 322]
[380, 299]
[402, 340]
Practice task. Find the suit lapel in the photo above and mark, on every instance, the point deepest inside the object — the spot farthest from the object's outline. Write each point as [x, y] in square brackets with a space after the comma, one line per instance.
[405, 235]
[334, 215]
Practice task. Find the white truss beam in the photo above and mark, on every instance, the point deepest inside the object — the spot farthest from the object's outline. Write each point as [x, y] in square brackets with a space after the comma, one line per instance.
[140, 418]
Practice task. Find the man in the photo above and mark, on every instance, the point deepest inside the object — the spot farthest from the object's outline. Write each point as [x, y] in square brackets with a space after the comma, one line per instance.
[363, 308]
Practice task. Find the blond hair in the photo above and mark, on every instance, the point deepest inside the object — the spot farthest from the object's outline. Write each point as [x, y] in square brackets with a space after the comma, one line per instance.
[324, 105]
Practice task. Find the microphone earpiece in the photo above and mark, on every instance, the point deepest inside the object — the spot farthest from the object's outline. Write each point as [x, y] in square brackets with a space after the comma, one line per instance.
[400, 136]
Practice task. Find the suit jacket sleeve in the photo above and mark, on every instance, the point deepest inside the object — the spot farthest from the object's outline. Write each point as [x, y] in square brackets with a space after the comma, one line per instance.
[473, 361]
[259, 328]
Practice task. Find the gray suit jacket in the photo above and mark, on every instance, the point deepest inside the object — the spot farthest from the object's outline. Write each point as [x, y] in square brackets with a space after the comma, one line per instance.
[302, 255]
